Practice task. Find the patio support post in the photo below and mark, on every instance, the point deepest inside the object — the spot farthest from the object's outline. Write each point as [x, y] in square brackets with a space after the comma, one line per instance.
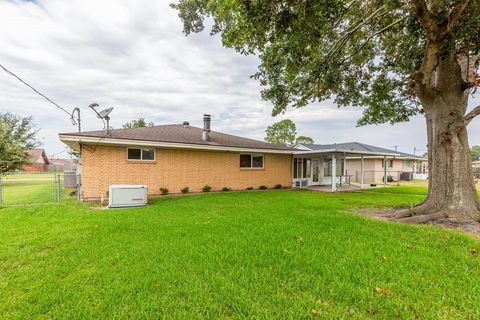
[384, 171]
[334, 173]
[362, 169]
[345, 168]
[293, 173]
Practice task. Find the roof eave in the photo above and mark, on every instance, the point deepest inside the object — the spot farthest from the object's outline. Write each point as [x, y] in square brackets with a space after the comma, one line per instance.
[75, 140]
[345, 151]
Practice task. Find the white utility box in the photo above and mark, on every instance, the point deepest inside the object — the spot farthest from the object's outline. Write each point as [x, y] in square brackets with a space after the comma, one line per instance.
[300, 183]
[127, 195]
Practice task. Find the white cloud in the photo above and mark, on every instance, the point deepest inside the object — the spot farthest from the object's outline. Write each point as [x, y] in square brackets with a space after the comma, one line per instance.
[132, 55]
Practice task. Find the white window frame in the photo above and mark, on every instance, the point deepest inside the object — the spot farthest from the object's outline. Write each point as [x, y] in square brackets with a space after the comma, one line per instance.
[141, 154]
[389, 163]
[251, 161]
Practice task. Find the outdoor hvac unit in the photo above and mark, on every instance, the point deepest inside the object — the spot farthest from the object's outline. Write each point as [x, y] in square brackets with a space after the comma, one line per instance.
[127, 195]
[300, 183]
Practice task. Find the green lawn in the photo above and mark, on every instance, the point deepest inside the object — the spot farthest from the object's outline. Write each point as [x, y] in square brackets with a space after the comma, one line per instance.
[31, 176]
[28, 188]
[262, 255]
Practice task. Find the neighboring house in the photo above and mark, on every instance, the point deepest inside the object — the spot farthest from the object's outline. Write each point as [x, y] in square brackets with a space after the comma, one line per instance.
[37, 162]
[402, 166]
[180, 155]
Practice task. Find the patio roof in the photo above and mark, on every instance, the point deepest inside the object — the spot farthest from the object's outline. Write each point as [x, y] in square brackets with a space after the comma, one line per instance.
[346, 152]
[358, 148]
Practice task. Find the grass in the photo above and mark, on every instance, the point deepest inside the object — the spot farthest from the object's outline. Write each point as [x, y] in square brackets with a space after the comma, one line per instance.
[263, 255]
[28, 188]
[31, 176]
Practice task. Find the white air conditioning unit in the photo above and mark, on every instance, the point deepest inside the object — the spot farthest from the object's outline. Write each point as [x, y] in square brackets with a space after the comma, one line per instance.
[127, 195]
[300, 183]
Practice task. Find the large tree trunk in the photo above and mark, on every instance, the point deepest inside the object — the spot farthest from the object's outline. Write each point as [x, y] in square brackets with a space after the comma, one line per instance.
[452, 192]
[451, 186]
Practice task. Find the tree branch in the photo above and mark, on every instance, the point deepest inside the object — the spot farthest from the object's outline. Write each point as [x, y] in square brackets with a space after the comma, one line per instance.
[455, 15]
[471, 115]
[423, 15]
[376, 34]
[344, 38]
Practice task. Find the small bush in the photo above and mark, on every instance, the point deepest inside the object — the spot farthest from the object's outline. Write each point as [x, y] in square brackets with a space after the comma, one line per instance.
[277, 186]
[249, 188]
[263, 187]
[164, 191]
[185, 190]
[206, 188]
[225, 189]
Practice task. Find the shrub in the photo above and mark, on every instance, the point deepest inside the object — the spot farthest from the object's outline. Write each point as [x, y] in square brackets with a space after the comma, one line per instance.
[277, 186]
[262, 187]
[164, 191]
[206, 188]
[185, 190]
[249, 188]
[226, 189]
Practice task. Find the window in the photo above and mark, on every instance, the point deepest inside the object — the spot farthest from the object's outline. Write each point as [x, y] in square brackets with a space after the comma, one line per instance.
[254, 161]
[327, 169]
[389, 163]
[140, 154]
[406, 164]
[301, 168]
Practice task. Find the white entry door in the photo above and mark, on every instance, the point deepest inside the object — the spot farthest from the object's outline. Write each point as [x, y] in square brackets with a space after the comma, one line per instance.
[316, 171]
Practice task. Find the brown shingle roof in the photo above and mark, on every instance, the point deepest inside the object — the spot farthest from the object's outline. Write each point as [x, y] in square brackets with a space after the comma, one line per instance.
[38, 156]
[177, 133]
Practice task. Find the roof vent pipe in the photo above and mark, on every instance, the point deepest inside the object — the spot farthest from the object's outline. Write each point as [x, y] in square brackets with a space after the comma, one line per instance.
[206, 127]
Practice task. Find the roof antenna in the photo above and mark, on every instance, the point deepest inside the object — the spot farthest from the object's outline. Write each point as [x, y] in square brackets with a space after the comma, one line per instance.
[104, 115]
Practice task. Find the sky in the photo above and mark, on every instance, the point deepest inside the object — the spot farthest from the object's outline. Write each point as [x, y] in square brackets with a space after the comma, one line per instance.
[133, 56]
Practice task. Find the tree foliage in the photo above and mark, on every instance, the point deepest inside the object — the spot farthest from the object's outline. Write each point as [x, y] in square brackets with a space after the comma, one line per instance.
[282, 132]
[17, 136]
[285, 132]
[360, 53]
[475, 152]
[138, 123]
[304, 139]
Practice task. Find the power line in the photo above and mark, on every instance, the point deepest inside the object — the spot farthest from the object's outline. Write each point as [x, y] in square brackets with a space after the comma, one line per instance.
[36, 91]
[60, 152]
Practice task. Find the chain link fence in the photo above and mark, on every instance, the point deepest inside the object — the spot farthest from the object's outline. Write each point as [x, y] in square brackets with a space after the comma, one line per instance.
[377, 177]
[21, 189]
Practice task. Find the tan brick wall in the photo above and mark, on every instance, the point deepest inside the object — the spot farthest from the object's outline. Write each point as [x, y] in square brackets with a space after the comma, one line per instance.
[175, 169]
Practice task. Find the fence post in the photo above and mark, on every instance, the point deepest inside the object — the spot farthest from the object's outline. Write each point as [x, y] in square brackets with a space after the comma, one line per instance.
[54, 188]
[1, 191]
[59, 195]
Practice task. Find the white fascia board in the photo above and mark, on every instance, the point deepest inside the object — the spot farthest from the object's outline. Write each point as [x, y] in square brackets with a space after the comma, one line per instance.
[68, 139]
[396, 157]
[345, 151]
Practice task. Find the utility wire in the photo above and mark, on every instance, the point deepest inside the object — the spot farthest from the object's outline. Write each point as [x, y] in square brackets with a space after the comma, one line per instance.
[60, 152]
[36, 91]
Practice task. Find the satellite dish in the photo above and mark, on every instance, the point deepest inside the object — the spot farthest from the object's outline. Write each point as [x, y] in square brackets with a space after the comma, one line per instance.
[104, 113]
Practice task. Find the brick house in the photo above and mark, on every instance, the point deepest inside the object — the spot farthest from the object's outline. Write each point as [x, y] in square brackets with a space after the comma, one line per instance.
[37, 161]
[177, 156]
[181, 155]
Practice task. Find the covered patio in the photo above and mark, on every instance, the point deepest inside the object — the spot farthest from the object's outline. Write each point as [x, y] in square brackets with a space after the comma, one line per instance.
[328, 167]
